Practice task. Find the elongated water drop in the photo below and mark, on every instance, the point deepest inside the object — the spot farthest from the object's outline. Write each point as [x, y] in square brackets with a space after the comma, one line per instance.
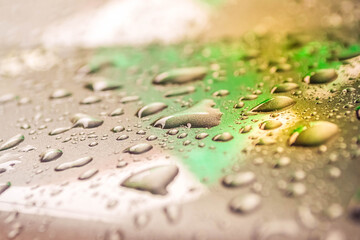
[139, 148]
[103, 85]
[76, 163]
[59, 131]
[201, 115]
[88, 174]
[239, 179]
[154, 180]
[60, 93]
[245, 203]
[223, 137]
[12, 142]
[150, 109]
[85, 121]
[270, 124]
[181, 75]
[50, 155]
[278, 103]
[323, 76]
[117, 112]
[90, 100]
[180, 91]
[284, 87]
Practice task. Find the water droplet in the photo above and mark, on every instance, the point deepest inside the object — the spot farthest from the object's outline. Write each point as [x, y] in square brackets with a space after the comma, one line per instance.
[85, 121]
[50, 155]
[76, 163]
[117, 112]
[284, 87]
[93, 144]
[245, 129]
[12, 142]
[103, 85]
[181, 75]
[201, 115]
[114, 235]
[4, 187]
[16, 229]
[323, 76]
[60, 93]
[7, 98]
[151, 138]
[128, 99]
[59, 131]
[295, 189]
[182, 135]
[265, 141]
[316, 134]
[245, 203]
[154, 180]
[88, 174]
[173, 131]
[180, 91]
[118, 129]
[238, 179]
[249, 97]
[223, 137]
[201, 136]
[221, 93]
[278, 103]
[240, 104]
[150, 109]
[138, 148]
[141, 220]
[270, 124]
[90, 100]
[172, 213]
[122, 137]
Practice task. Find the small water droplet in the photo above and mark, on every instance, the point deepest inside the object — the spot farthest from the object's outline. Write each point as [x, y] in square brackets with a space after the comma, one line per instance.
[117, 112]
[59, 131]
[239, 179]
[85, 121]
[90, 100]
[60, 93]
[201, 136]
[284, 87]
[103, 85]
[88, 174]
[223, 137]
[270, 124]
[118, 129]
[138, 148]
[277, 103]
[180, 91]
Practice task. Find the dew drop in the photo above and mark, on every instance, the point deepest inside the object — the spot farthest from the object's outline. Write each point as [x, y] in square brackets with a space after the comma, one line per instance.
[88, 174]
[151, 109]
[50, 155]
[245, 203]
[85, 121]
[323, 76]
[60, 93]
[138, 148]
[223, 137]
[239, 179]
[278, 103]
[73, 164]
[12, 142]
[181, 75]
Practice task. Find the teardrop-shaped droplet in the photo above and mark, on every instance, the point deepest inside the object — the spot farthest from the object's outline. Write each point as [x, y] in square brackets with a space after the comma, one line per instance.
[50, 155]
[323, 76]
[12, 142]
[221, 93]
[76, 163]
[180, 91]
[90, 100]
[223, 137]
[85, 121]
[7, 98]
[117, 112]
[181, 75]
[270, 124]
[278, 103]
[60, 93]
[201, 115]
[88, 174]
[201, 136]
[315, 134]
[154, 180]
[150, 109]
[245, 203]
[139, 148]
[59, 131]
[284, 87]
[118, 129]
[239, 179]
[128, 99]
[4, 187]
[249, 97]
[103, 85]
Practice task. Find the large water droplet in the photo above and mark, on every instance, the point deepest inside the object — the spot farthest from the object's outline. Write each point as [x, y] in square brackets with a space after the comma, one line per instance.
[323, 76]
[85, 121]
[76, 163]
[245, 203]
[50, 155]
[12, 142]
[150, 109]
[181, 75]
[139, 148]
[315, 134]
[201, 115]
[154, 180]
[284, 87]
[274, 104]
